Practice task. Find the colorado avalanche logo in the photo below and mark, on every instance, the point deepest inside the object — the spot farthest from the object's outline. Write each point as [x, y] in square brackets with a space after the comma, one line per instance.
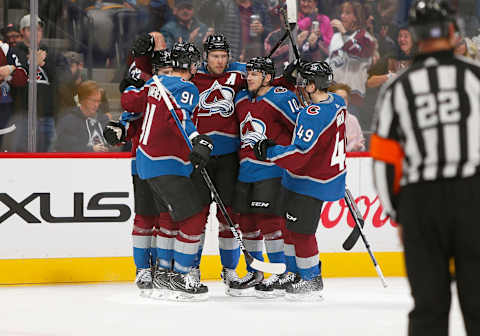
[217, 99]
[252, 130]
[42, 77]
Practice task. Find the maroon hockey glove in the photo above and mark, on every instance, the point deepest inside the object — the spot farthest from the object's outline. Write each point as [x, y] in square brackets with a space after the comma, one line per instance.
[260, 148]
[202, 146]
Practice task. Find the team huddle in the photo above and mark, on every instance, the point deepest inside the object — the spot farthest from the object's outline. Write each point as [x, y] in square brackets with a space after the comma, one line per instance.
[273, 161]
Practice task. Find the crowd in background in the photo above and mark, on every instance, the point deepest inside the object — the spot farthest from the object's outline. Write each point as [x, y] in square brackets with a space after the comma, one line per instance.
[366, 43]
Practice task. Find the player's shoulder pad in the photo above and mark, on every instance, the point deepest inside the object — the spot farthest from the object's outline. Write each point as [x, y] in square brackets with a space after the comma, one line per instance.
[338, 100]
[242, 95]
[237, 67]
[280, 91]
[277, 94]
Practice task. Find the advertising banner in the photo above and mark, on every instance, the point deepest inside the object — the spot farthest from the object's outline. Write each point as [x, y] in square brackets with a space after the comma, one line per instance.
[83, 207]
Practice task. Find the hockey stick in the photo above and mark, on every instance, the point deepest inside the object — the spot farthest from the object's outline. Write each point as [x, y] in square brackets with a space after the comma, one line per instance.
[279, 43]
[274, 268]
[353, 208]
[290, 18]
[353, 237]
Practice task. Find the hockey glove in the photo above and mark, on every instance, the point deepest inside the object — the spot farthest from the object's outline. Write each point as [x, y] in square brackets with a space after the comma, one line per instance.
[260, 148]
[129, 81]
[114, 133]
[143, 45]
[291, 71]
[202, 146]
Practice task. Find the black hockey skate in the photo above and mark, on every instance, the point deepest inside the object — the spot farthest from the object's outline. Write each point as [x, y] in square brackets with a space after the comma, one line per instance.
[305, 290]
[144, 281]
[245, 286]
[161, 283]
[228, 275]
[274, 286]
[185, 287]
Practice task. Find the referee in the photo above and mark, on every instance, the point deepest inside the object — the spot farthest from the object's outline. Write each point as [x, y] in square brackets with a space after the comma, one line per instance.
[426, 151]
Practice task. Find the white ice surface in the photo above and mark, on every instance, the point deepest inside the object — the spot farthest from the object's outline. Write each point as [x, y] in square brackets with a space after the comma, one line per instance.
[354, 306]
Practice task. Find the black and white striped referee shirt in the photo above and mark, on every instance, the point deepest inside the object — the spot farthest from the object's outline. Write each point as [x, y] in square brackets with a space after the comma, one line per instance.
[427, 124]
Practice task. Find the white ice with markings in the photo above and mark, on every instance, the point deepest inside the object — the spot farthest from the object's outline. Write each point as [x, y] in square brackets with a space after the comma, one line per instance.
[353, 306]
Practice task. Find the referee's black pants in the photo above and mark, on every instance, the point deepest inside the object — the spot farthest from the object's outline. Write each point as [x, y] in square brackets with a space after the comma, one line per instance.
[441, 221]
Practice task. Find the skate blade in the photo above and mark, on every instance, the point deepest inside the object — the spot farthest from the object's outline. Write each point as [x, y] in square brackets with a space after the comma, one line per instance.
[305, 297]
[249, 292]
[146, 293]
[186, 297]
[263, 295]
[159, 293]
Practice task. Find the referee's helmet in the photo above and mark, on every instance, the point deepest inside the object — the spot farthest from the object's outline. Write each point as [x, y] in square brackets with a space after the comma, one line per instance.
[430, 19]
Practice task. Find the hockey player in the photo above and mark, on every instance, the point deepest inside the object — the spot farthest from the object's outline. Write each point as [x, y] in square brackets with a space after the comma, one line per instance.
[165, 162]
[263, 111]
[218, 81]
[314, 172]
[128, 128]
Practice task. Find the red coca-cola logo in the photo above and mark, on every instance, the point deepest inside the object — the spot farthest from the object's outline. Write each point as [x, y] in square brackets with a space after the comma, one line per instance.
[371, 210]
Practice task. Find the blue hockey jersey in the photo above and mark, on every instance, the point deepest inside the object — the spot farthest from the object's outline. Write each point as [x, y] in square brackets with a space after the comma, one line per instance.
[315, 162]
[271, 116]
[162, 150]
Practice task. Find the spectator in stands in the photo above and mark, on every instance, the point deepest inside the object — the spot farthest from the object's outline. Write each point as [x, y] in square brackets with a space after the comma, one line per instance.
[185, 27]
[467, 48]
[51, 65]
[11, 74]
[104, 108]
[396, 60]
[81, 130]
[355, 138]
[351, 51]
[159, 14]
[240, 25]
[383, 31]
[11, 35]
[280, 56]
[69, 83]
[315, 31]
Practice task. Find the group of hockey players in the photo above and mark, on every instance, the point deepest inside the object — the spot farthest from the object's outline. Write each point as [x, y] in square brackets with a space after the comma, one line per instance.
[273, 162]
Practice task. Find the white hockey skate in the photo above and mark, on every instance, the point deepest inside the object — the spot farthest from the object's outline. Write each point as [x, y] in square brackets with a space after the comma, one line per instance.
[274, 286]
[144, 281]
[228, 275]
[245, 286]
[161, 283]
[186, 287]
[305, 290]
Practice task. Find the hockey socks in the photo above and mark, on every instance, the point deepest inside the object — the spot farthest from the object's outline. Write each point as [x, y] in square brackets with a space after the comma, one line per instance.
[187, 241]
[273, 236]
[143, 231]
[306, 255]
[198, 257]
[252, 237]
[165, 240]
[228, 244]
[289, 249]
